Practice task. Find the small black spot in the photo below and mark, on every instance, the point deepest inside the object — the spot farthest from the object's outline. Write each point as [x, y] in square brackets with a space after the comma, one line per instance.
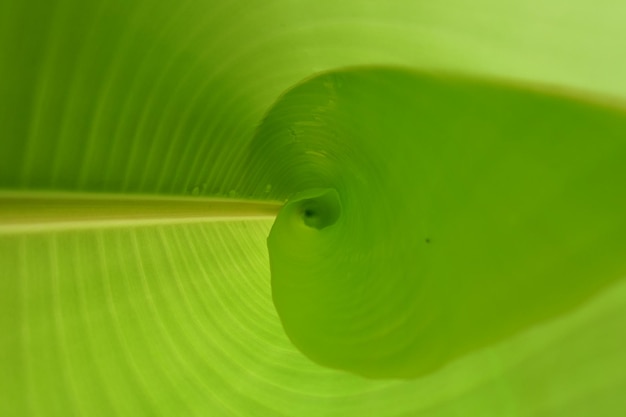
[309, 213]
[427, 240]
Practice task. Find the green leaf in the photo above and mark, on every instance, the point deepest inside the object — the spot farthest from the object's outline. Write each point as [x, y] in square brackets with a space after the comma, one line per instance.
[166, 308]
[433, 215]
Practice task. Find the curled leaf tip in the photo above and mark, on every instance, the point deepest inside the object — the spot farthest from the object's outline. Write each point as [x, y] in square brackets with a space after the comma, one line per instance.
[520, 189]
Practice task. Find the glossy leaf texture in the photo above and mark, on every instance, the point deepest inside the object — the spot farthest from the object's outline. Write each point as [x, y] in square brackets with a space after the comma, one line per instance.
[167, 309]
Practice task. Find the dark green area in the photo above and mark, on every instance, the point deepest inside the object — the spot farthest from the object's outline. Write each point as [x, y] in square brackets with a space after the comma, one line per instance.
[470, 211]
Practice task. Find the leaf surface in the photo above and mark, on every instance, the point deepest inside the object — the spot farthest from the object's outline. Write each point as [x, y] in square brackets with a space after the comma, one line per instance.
[173, 315]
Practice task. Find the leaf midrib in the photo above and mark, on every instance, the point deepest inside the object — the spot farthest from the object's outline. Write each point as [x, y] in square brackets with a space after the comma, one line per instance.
[43, 211]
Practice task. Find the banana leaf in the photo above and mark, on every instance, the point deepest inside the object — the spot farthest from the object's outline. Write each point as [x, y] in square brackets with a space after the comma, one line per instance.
[147, 150]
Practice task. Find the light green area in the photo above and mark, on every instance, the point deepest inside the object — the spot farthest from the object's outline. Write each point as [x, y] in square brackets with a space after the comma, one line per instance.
[464, 211]
[162, 98]
[178, 320]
